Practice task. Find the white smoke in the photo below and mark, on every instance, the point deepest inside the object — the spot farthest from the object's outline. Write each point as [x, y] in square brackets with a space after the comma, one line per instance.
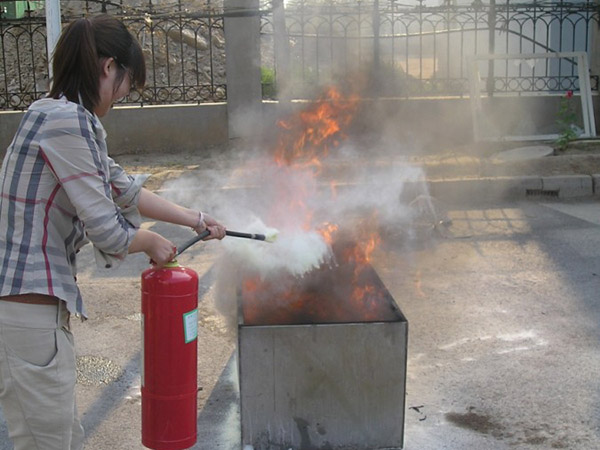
[262, 197]
[254, 194]
[295, 252]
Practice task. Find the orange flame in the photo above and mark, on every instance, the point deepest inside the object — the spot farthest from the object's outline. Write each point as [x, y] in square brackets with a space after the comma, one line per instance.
[304, 140]
[361, 253]
[308, 136]
[251, 284]
[327, 230]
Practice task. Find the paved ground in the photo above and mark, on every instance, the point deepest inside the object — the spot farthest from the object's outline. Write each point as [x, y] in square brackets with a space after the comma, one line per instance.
[503, 323]
[503, 329]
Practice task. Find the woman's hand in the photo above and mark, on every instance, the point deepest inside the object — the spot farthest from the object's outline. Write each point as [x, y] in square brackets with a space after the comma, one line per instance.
[206, 222]
[159, 249]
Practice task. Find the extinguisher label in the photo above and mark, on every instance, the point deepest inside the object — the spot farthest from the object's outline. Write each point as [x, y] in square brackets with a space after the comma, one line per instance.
[142, 358]
[190, 325]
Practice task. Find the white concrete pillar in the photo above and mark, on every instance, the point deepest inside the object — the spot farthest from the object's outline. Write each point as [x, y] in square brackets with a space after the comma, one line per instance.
[53, 28]
[282, 52]
[242, 49]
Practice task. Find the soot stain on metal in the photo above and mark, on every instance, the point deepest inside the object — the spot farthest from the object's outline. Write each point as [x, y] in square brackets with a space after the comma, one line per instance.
[303, 431]
[97, 370]
[321, 429]
[305, 441]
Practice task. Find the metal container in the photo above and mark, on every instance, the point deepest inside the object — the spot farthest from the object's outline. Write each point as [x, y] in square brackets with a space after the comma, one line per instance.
[332, 385]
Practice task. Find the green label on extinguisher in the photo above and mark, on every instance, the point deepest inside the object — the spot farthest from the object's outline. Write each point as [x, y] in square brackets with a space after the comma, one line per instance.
[142, 358]
[190, 326]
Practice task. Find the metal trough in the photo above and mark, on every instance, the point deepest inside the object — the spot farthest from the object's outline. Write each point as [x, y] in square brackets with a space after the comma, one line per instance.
[331, 385]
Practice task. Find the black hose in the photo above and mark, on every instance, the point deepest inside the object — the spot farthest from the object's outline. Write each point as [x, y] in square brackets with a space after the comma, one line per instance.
[192, 241]
[258, 237]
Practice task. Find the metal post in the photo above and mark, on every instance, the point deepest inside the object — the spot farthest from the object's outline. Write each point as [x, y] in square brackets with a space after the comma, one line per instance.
[376, 87]
[594, 49]
[52, 30]
[491, 47]
[594, 52]
[242, 52]
[282, 52]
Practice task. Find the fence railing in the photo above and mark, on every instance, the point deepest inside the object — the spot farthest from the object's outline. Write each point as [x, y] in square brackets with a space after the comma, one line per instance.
[419, 50]
[391, 49]
[185, 52]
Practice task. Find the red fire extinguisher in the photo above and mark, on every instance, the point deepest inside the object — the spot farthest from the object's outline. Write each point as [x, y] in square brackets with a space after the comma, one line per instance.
[170, 354]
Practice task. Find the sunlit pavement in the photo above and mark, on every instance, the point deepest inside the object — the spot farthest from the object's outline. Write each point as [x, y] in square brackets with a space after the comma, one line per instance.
[503, 329]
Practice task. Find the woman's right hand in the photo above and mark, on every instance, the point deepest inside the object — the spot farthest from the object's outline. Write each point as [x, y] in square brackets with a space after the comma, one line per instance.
[217, 231]
[159, 249]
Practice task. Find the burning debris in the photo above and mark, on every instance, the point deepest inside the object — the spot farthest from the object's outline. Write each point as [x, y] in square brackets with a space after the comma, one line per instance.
[318, 269]
[350, 291]
[292, 269]
[289, 183]
[306, 138]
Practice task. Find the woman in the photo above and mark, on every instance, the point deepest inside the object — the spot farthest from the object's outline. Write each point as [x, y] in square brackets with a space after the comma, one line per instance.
[60, 189]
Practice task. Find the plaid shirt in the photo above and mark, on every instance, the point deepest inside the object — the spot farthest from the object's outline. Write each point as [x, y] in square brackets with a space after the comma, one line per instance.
[59, 188]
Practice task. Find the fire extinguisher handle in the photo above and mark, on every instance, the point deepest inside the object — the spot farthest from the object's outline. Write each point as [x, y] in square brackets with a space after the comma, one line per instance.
[191, 242]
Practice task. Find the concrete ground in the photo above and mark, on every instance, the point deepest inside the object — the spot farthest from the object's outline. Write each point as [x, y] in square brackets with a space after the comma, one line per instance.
[503, 319]
[503, 312]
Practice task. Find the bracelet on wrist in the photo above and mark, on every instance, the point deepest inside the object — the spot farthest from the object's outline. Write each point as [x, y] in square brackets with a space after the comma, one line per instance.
[200, 219]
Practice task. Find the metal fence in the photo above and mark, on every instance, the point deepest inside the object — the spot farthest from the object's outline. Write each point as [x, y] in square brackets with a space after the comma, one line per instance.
[185, 51]
[398, 49]
[390, 48]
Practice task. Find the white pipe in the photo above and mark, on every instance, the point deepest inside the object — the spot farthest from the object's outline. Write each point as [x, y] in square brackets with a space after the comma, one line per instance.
[52, 30]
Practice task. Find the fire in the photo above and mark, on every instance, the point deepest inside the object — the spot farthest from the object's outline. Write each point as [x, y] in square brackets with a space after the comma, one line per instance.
[305, 139]
[293, 190]
[327, 230]
[251, 284]
[361, 253]
[322, 296]
[363, 244]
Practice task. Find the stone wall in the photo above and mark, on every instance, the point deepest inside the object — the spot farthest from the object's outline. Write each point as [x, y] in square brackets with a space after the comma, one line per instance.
[149, 129]
[429, 125]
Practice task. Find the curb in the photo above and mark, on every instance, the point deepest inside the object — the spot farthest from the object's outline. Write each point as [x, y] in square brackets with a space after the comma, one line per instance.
[466, 189]
[502, 188]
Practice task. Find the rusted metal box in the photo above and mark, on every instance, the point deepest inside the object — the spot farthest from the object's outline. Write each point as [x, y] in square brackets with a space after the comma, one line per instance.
[332, 385]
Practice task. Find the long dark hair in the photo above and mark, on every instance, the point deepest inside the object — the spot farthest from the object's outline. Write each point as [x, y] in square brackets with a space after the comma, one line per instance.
[77, 59]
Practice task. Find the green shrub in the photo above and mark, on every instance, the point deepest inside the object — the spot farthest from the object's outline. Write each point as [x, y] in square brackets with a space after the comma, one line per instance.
[267, 81]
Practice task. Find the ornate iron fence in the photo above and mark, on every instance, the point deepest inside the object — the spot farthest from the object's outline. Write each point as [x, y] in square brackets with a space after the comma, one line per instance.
[418, 50]
[393, 49]
[184, 51]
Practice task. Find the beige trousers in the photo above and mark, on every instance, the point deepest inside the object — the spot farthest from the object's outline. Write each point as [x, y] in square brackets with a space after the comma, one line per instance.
[37, 377]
